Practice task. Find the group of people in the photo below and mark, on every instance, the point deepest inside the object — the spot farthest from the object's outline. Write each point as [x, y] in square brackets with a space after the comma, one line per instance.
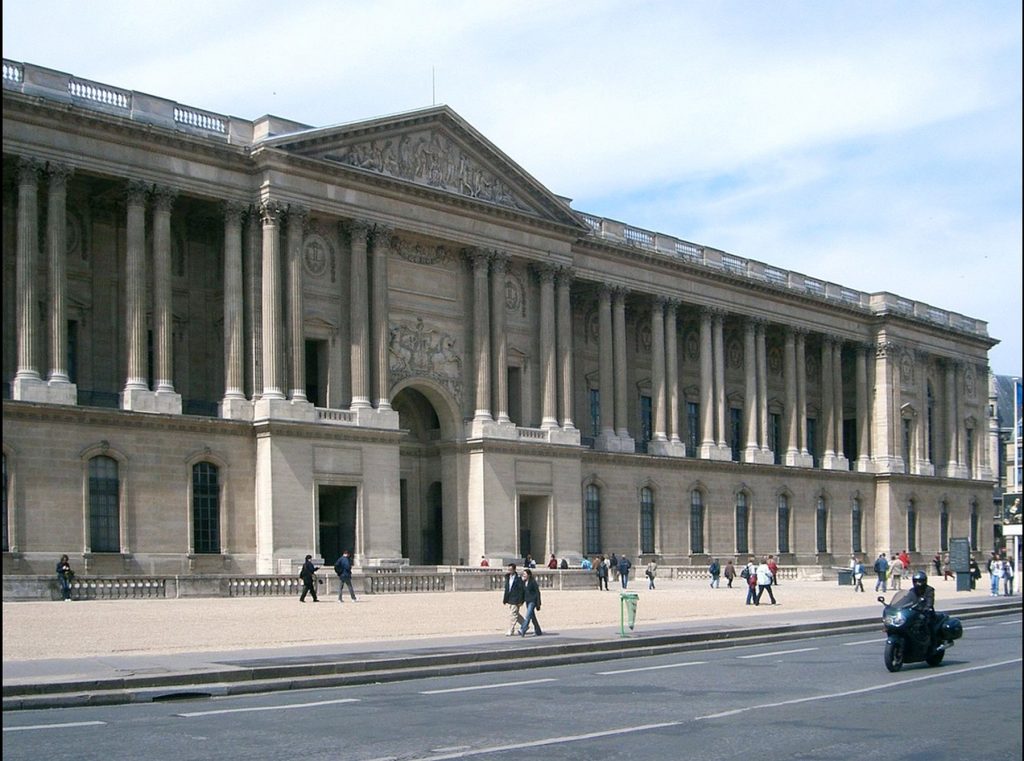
[1000, 570]
[890, 571]
[760, 578]
[343, 568]
[621, 567]
[521, 589]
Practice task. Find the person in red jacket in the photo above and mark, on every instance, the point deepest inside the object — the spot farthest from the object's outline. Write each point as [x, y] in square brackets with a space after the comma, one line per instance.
[553, 563]
[774, 569]
[905, 559]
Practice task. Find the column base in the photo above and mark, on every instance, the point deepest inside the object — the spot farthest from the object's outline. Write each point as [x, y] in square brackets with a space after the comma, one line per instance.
[486, 428]
[567, 436]
[236, 409]
[144, 400]
[888, 465]
[45, 392]
[714, 452]
[864, 465]
[798, 460]
[924, 469]
[284, 409]
[612, 442]
[835, 462]
[666, 448]
[367, 417]
[764, 457]
[750, 454]
[627, 443]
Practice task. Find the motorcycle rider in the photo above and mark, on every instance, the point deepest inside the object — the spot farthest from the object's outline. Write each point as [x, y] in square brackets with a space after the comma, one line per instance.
[924, 592]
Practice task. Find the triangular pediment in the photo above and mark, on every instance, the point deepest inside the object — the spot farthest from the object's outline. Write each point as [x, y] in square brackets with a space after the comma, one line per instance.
[433, 148]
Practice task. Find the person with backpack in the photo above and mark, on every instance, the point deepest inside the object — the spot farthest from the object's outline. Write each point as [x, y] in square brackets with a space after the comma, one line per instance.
[308, 576]
[749, 574]
[344, 570]
[716, 571]
[624, 566]
[882, 571]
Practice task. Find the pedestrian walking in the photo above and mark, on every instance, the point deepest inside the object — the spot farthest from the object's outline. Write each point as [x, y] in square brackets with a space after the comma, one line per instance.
[995, 571]
[601, 569]
[613, 563]
[896, 568]
[512, 599]
[624, 566]
[1008, 574]
[905, 559]
[882, 571]
[858, 575]
[585, 564]
[947, 569]
[774, 568]
[344, 570]
[531, 596]
[553, 563]
[764, 582]
[975, 572]
[64, 576]
[729, 573]
[749, 574]
[650, 573]
[716, 571]
[937, 564]
[308, 576]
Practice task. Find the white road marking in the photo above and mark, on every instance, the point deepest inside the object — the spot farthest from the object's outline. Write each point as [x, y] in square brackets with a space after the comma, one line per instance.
[286, 707]
[485, 686]
[56, 726]
[778, 652]
[1009, 623]
[861, 691]
[864, 642]
[651, 668]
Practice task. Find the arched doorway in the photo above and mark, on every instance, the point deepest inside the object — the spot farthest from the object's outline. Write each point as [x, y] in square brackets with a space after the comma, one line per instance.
[427, 508]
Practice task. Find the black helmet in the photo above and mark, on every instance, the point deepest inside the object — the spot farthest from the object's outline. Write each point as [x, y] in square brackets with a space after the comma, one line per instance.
[920, 580]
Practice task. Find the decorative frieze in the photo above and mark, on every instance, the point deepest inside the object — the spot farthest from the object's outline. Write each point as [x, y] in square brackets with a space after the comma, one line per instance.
[417, 350]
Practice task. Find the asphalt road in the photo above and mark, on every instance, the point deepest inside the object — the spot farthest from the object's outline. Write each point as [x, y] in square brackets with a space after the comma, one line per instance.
[819, 698]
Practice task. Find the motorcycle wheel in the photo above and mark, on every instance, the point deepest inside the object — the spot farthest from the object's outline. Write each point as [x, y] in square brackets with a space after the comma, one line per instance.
[934, 659]
[894, 656]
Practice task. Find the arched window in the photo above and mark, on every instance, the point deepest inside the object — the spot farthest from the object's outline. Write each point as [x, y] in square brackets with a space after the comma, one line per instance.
[856, 523]
[104, 505]
[821, 520]
[911, 526]
[205, 508]
[974, 526]
[931, 424]
[592, 520]
[742, 522]
[783, 521]
[646, 520]
[7, 545]
[696, 522]
[944, 528]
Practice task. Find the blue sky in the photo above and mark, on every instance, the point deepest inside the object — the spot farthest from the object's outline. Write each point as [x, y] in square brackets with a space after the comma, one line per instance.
[872, 144]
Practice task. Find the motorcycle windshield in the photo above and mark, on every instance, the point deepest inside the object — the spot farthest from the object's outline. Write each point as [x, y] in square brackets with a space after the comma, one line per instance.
[904, 599]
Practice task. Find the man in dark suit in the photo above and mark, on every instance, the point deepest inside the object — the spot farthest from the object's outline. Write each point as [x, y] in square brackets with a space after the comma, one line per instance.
[515, 592]
[308, 576]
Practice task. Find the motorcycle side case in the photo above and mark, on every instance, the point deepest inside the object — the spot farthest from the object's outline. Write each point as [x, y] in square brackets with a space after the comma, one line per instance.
[952, 629]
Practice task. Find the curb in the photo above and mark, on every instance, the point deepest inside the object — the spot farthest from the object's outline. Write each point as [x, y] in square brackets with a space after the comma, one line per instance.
[342, 672]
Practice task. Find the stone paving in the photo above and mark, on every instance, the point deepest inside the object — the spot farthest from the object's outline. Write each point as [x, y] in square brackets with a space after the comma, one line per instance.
[93, 629]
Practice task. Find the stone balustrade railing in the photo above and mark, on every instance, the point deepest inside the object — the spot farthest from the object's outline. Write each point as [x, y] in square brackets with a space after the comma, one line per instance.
[337, 417]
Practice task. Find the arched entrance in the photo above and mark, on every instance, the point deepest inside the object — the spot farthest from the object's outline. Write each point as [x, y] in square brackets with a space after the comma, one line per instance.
[427, 501]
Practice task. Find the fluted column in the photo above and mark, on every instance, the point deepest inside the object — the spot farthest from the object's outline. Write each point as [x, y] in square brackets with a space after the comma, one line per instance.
[359, 324]
[924, 463]
[952, 463]
[828, 424]
[707, 385]
[606, 363]
[672, 371]
[234, 358]
[135, 288]
[789, 380]
[750, 449]
[565, 345]
[271, 213]
[549, 399]
[163, 200]
[841, 463]
[482, 335]
[760, 346]
[379, 312]
[658, 368]
[295, 230]
[499, 340]
[56, 245]
[801, 397]
[718, 338]
[863, 463]
[619, 348]
[27, 265]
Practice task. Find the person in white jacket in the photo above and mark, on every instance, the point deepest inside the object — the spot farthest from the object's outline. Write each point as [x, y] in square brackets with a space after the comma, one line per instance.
[764, 581]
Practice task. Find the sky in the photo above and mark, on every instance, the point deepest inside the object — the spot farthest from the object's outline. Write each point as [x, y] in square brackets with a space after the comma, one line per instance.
[872, 144]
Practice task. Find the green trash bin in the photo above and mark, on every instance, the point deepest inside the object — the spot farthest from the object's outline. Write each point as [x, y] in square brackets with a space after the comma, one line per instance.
[845, 576]
[627, 611]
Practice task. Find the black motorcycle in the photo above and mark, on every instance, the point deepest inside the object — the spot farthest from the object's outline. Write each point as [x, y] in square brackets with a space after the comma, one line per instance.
[914, 634]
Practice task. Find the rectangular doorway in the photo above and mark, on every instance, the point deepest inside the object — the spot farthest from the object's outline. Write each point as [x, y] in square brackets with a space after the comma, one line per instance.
[533, 527]
[337, 521]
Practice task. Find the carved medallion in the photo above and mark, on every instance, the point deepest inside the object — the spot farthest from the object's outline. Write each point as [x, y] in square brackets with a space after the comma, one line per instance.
[735, 354]
[813, 367]
[692, 345]
[970, 382]
[315, 254]
[775, 361]
[515, 294]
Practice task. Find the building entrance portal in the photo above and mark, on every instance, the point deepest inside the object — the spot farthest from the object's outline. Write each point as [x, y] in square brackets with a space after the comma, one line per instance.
[337, 521]
[533, 527]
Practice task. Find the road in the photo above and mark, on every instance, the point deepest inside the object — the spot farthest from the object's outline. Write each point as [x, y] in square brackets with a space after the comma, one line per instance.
[819, 698]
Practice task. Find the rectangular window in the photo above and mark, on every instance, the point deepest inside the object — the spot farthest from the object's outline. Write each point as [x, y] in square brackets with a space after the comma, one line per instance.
[692, 428]
[515, 395]
[812, 441]
[592, 526]
[72, 351]
[850, 440]
[735, 431]
[316, 373]
[856, 523]
[774, 436]
[7, 546]
[911, 527]
[742, 546]
[646, 521]
[969, 452]
[104, 505]
[595, 412]
[906, 445]
[944, 529]
[822, 526]
[696, 523]
[645, 420]
[783, 523]
[205, 508]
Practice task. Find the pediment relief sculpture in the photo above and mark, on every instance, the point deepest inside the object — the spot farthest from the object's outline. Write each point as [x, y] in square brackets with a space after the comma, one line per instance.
[420, 351]
[429, 157]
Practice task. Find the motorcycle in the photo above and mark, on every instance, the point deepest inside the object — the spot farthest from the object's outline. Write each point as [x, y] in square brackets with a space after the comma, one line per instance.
[912, 635]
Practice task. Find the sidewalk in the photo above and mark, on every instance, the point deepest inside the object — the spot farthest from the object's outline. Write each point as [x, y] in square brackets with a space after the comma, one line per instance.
[139, 648]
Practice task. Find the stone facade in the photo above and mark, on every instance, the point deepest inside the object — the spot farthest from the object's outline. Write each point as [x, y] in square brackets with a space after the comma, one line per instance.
[228, 344]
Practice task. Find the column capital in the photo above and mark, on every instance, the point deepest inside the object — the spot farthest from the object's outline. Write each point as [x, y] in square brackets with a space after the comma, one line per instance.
[499, 262]
[356, 227]
[298, 214]
[58, 173]
[922, 356]
[884, 349]
[545, 273]
[28, 170]
[672, 304]
[565, 275]
[271, 212]
[712, 312]
[381, 234]
[477, 258]
[136, 191]
[234, 210]
[164, 196]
